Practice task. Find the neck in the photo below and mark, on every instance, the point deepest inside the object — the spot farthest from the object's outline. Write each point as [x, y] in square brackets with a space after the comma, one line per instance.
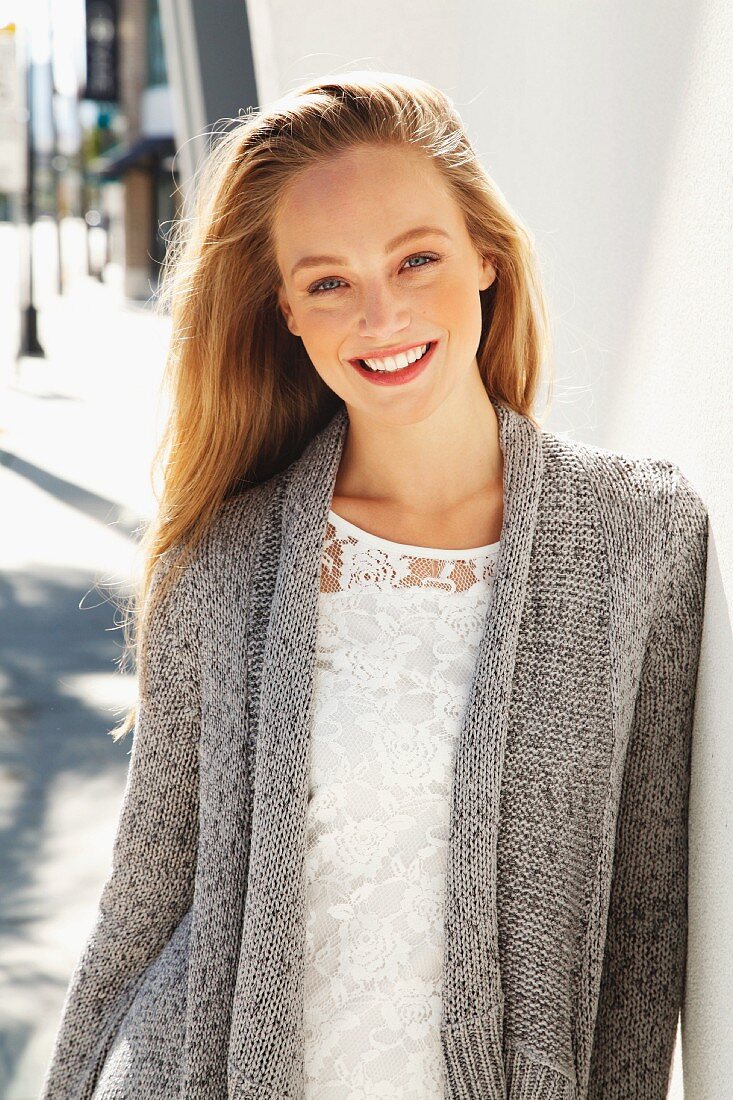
[429, 466]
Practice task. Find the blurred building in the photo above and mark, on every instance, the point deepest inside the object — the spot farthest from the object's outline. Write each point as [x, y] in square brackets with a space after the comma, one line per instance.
[169, 123]
[143, 160]
[127, 97]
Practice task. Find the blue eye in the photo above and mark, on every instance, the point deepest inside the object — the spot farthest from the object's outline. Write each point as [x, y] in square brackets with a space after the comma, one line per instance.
[319, 288]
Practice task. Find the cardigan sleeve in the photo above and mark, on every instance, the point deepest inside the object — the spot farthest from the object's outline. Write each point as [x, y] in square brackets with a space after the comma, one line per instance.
[150, 885]
[643, 976]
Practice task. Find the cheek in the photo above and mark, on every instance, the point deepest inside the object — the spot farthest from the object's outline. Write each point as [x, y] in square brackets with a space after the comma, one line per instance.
[323, 334]
[454, 305]
[317, 328]
[320, 322]
[462, 294]
[466, 304]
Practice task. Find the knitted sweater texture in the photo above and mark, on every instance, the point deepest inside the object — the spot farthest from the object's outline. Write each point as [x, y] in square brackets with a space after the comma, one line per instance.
[566, 889]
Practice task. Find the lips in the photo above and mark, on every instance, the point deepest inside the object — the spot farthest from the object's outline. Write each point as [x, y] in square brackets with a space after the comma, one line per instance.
[396, 377]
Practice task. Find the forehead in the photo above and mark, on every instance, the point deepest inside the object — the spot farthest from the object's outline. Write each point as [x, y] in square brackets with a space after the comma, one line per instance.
[363, 196]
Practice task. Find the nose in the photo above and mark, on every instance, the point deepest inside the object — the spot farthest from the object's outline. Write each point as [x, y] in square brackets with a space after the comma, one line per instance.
[382, 314]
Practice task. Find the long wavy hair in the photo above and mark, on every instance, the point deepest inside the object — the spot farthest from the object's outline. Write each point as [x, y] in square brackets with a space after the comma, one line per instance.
[244, 397]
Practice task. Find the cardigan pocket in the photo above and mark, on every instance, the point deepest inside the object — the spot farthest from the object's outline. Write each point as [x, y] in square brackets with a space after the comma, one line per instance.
[531, 1074]
[472, 1057]
[481, 1065]
[144, 1060]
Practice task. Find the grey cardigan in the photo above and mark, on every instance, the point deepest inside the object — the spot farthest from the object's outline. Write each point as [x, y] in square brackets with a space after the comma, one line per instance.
[566, 889]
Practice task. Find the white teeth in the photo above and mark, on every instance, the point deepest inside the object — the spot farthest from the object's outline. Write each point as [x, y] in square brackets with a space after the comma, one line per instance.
[398, 362]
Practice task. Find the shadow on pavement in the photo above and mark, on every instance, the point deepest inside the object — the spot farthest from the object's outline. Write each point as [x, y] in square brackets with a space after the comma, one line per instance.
[97, 507]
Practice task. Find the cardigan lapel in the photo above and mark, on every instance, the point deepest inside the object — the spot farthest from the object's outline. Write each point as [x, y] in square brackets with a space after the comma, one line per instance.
[473, 1000]
[265, 1053]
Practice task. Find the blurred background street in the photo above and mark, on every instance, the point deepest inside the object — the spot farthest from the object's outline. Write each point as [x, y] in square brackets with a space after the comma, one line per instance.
[89, 187]
[87, 176]
[75, 450]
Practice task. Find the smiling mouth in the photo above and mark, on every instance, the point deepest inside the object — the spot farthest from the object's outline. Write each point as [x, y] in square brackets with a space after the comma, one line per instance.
[395, 370]
[397, 376]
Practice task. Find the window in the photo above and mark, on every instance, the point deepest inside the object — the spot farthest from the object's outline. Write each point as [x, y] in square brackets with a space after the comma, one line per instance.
[157, 73]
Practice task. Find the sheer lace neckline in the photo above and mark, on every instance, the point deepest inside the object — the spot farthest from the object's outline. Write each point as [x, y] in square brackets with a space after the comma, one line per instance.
[354, 560]
[432, 552]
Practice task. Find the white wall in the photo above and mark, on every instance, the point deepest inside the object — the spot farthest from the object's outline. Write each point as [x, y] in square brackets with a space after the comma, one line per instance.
[605, 125]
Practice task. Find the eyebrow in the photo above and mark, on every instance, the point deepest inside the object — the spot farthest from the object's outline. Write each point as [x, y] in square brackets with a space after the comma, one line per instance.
[418, 231]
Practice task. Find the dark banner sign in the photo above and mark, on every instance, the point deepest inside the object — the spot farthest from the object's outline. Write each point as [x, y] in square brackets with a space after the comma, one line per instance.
[102, 50]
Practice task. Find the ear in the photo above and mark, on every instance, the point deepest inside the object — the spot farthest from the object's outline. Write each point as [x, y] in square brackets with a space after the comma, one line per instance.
[487, 273]
[286, 311]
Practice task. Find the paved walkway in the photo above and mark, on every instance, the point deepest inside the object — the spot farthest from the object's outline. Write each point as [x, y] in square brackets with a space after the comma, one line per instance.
[77, 431]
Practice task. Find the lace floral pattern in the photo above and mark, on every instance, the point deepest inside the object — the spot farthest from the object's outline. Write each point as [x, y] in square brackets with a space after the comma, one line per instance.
[356, 559]
[397, 641]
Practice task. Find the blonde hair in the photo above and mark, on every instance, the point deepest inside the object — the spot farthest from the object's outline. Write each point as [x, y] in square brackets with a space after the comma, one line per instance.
[244, 396]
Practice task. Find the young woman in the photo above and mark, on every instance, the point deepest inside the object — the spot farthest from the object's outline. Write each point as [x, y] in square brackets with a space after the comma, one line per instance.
[406, 813]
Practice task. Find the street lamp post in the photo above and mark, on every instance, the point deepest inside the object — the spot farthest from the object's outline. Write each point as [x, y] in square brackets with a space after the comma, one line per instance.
[29, 342]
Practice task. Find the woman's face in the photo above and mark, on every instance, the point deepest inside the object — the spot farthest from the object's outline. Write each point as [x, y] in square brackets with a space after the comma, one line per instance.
[374, 258]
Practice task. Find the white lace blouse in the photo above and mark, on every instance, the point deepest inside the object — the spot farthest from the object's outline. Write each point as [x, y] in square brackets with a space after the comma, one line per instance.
[399, 628]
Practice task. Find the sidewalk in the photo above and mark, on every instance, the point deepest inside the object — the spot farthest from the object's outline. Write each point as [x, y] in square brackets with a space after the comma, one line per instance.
[87, 411]
[77, 432]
